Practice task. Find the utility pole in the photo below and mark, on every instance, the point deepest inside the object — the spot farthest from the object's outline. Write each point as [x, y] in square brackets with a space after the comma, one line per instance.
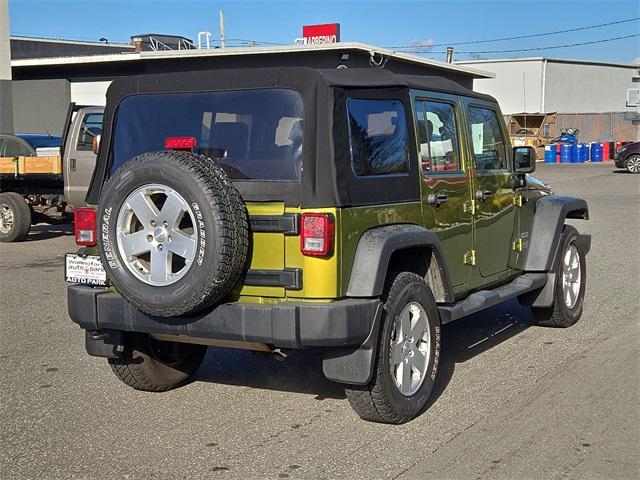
[6, 95]
[524, 101]
[222, 44]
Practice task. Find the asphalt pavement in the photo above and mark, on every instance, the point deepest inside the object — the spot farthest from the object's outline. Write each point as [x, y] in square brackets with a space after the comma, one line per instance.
[512, 400]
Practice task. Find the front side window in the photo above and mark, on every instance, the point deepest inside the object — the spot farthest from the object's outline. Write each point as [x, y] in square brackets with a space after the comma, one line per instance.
[91, 127]
[438, 137]
[377, 137]
[487, 140]
[250, 134]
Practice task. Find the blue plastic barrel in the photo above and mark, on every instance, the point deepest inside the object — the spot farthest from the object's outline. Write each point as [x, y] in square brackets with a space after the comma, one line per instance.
[576, 151]
[584, 153]
[596, 152]
[565, 153]
[550, 154]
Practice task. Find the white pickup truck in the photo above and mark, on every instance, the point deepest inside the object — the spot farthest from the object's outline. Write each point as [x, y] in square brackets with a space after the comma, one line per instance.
[46, 188]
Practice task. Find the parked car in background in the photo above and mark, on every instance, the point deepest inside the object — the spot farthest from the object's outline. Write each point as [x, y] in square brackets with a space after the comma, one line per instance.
[628, 157]
[45, 145]
[14, 146]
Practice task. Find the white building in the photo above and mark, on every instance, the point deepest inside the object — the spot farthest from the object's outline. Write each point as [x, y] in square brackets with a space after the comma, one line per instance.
[600, 97]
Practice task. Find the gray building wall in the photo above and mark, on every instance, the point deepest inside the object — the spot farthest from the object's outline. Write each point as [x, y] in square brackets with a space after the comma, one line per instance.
[518, 87]
[40, 106]
[584, 88]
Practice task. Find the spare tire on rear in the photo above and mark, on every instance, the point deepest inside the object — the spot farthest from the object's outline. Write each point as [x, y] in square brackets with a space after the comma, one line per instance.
[173, 233]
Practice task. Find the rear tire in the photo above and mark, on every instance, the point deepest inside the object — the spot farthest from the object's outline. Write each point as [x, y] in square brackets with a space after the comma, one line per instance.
[392, 397]
[154, 366]
[568, 300]
[632, 164]
[15, 217]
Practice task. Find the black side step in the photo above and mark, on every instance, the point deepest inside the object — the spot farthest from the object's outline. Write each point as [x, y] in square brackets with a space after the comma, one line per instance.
[487, 298]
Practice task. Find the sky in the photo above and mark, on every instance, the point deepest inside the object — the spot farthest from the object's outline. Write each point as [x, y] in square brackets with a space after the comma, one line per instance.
[391, 23]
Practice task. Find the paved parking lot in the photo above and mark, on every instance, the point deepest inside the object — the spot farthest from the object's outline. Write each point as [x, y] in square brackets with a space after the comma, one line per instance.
[512, 400]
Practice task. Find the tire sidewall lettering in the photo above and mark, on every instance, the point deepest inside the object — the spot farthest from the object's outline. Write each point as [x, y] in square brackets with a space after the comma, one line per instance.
[107, 247]
[201, 233]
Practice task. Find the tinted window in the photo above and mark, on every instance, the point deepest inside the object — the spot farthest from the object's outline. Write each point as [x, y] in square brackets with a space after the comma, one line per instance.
[14, 148]
[251, 134]
[378, 137]
[438, 136]
[488, 143]
[90, 127]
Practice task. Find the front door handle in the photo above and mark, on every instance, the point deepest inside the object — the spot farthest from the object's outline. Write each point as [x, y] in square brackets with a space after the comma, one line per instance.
[72, 164]
[437, 199]
[482, 195]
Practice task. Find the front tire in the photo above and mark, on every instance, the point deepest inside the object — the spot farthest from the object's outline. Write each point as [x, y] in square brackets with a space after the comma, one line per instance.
[407, 357]
[571, 280]
[632, 164]
[154, 366]
[15, 217]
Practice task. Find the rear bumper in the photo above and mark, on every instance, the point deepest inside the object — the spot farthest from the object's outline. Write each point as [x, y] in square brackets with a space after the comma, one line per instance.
[287, 324]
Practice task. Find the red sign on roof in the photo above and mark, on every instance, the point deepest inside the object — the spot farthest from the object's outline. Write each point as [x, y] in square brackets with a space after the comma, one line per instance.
[325, 33]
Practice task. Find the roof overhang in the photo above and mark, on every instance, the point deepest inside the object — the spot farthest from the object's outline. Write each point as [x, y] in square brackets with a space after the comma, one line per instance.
[377, 54]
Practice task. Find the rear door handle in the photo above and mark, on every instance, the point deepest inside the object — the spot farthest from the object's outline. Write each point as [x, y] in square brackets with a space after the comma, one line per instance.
[481, 195]
[72, 164]
[437, 199]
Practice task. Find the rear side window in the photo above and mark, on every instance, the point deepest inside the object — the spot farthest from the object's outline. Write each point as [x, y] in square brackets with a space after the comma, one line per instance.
[251, 134]
[377, 137]
[91, 127]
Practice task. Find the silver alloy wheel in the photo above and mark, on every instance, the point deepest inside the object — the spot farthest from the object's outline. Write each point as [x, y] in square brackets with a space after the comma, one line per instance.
[6, 218]
[571, 276]
[157, 234]
[633, 164]
[410, 349]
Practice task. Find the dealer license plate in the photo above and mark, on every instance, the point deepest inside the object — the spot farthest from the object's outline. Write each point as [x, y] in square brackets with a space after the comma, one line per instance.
[85, 269]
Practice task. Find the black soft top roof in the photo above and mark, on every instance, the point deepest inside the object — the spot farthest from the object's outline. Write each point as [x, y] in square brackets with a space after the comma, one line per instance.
[378, 77]
[324, 147]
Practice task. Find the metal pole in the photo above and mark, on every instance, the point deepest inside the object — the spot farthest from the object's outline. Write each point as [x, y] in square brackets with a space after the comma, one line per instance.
[222, 44]
[524, 103]
[449, 54]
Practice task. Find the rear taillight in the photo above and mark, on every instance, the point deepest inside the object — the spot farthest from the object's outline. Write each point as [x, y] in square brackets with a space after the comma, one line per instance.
[317, 234]
[179, 143]
[84, 225]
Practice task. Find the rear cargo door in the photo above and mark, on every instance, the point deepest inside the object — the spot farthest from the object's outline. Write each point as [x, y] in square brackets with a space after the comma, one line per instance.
[266, 276]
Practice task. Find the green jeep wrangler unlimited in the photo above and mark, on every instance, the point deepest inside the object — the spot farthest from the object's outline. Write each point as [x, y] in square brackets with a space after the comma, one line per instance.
[356, 210]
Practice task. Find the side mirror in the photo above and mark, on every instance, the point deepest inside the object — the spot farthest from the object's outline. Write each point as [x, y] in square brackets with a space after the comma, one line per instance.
[96, 144]
[524, 159]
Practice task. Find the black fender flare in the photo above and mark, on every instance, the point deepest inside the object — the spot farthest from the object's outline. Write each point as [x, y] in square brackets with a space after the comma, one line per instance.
[548, 223]
[375, 248]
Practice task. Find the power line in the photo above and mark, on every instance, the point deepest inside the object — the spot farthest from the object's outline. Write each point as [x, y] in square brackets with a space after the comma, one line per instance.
[551, 47]
[452, 44]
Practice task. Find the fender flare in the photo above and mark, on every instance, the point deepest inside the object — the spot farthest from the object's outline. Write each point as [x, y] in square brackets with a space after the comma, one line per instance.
[375, 248]
[548, 223]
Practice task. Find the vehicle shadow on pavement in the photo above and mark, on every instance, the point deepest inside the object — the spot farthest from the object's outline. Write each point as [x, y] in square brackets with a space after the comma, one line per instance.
[302, 371]
[471, 336]
[47, 231]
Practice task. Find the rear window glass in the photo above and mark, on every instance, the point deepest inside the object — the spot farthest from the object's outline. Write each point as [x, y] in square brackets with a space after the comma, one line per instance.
[378, 137]
[251, 134]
